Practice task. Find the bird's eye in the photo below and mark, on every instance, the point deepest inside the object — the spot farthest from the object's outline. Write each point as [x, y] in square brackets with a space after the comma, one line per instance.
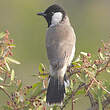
[52, 12]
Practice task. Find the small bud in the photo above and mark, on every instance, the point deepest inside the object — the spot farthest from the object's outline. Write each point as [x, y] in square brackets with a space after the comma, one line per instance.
[100, 50]
[9, 75]
[7, 32]
[28, 87]
[73, 80]
[8, 102]
[6, 38]
[39, 97]
[31, 100]
[89, 54]
[10, 53]
[18, 82]
[11, 40]
[40, 104]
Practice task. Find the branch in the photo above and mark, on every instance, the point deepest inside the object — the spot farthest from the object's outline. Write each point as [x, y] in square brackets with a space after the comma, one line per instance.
[6, 93]
[71, 95]
[98, 71]
[91, 98]
[9, 97]
[97, 82]
[72, 101]
[106, 102]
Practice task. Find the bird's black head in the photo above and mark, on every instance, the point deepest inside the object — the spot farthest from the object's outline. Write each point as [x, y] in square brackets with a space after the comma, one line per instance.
[53, 14]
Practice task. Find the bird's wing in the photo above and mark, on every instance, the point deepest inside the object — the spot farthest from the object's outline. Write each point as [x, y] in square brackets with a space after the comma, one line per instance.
[60, 41]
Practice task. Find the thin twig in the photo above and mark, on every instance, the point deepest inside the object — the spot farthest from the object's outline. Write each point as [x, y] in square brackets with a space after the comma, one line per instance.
[72, 94]
[5, 85]
[6, 93]
[91, 76]
[98, 71]
[5, 78]
[8, 97]
[106, 102]
[91, 98]
[72, 101]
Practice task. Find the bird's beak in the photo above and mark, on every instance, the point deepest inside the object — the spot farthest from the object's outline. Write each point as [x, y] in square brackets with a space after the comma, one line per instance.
[41, 14]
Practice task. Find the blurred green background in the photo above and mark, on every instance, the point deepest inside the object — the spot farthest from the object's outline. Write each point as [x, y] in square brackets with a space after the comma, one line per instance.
[90, 19]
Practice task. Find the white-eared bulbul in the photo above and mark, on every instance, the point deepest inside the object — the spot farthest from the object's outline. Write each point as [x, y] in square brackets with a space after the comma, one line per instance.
[60, 45]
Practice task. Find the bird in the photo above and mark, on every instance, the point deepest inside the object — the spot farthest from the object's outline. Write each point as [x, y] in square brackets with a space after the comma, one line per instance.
[60, 45]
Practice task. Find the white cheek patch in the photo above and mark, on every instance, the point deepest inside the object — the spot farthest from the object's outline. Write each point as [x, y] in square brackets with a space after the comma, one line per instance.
[56, 18]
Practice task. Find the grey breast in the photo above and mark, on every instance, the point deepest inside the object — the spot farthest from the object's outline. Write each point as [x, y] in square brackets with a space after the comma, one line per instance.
[60, 40]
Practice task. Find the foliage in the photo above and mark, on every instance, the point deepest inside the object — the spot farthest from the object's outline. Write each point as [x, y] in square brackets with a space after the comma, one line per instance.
[83, 74]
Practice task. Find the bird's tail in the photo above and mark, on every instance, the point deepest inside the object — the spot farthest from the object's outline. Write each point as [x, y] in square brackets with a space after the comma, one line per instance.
[55, 91]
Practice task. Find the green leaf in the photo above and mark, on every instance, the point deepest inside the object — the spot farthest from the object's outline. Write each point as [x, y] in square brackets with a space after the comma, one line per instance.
[99, 93]
[83, 53]
[12, 75]
[79, 78]
[41, 68]
[81, 92]
[76, 65]
[43, 75]
[44, 99]
[3, 69]
[19, 86]
[35, 90]
[26, 103]
[7, 66]
[1, 79]
[38, 89]
[77, 59]
[100, 103]
[94, 66]
[2, 34]
[108, 70]
[1, 86]
[36, 85]
[101, 56]
[13, 60]
[12, 45]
